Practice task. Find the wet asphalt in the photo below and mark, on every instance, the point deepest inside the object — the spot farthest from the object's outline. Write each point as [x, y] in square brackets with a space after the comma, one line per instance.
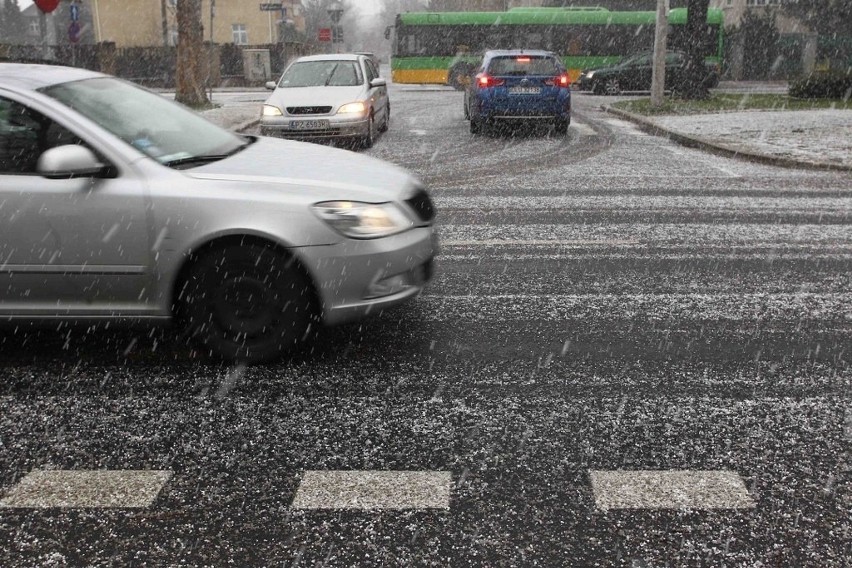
[604, 301]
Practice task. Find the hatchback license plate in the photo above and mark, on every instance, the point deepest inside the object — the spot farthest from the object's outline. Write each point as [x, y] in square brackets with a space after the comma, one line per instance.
[524, 90]
[309, 124]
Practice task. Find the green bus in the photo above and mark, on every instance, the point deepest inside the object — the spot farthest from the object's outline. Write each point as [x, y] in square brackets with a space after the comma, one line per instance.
[441, 48]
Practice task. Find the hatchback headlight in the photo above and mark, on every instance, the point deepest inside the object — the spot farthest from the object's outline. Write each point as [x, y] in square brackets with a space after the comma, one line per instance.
[589, 74]
[357, 107]
[271, 110]
[359, 220]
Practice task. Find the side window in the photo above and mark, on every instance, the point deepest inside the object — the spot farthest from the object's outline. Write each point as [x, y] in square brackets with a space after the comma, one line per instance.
[370, 71]
[24, 135]
[372, 67]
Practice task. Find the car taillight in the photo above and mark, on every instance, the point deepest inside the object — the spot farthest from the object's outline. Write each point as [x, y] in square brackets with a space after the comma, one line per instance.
[484, 81]
[561, 81]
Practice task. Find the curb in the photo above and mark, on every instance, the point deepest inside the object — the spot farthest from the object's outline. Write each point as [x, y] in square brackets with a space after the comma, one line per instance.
[648, 125]
[246, 125]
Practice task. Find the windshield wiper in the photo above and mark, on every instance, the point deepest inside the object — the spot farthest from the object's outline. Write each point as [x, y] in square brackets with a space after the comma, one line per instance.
[207, 158]
[331, 75]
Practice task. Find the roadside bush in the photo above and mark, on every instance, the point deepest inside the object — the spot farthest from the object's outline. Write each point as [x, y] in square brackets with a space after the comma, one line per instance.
[826, 85]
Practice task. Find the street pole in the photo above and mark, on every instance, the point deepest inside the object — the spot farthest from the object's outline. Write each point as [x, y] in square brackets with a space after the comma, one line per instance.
[658, 73]
[210, 51]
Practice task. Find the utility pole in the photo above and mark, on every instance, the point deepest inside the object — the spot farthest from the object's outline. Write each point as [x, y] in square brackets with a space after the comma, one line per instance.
[658, 73]
[210, 48]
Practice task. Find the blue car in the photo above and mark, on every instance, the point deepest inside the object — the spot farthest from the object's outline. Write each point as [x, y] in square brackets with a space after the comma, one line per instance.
[519, 86]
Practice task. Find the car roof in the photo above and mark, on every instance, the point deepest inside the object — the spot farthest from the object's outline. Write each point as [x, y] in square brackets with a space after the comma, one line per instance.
[32, 76]
[331, 57]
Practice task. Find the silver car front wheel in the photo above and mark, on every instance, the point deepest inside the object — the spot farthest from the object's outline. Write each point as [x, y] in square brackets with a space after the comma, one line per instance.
[247, 303]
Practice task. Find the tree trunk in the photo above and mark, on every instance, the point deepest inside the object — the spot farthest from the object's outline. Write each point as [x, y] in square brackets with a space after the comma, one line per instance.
[695, 72]
[190, 83]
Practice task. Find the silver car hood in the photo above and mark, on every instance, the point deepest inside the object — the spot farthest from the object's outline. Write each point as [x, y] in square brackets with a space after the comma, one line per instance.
[306, 166]
[316, 96]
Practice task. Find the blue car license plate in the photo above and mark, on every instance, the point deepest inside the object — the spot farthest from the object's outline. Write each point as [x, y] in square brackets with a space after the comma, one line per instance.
[308, 124]
[524, 90]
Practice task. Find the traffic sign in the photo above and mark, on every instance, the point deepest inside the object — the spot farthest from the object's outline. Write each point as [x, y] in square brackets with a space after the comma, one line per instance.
[324, 34]
[74, 30]
[271, 7]
[47, 6]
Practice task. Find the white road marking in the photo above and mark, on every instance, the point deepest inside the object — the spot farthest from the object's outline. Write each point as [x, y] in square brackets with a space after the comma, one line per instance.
[670, 489]
[648, 203]
[661, 307]
[536, 242]
[369, 490]
[418, 132]
[42, 489]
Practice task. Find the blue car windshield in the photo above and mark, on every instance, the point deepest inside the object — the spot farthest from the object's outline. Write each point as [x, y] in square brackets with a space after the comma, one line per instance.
[523, 65]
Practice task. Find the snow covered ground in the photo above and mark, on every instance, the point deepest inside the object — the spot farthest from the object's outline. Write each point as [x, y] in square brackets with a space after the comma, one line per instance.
[808, 135]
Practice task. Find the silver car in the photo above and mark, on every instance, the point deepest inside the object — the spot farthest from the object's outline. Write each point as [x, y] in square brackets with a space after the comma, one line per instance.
[117, 203]
[328, 97]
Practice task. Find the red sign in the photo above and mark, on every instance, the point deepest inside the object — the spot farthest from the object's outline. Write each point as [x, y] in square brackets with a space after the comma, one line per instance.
[47, 6]
[324, 34]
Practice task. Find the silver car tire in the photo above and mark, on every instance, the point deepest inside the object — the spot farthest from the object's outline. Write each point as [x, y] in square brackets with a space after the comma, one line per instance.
[369, 138]
[386, 124]
[247, 303]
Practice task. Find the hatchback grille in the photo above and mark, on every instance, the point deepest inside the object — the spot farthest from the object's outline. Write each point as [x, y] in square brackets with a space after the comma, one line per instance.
[309, 110]
[422, 204]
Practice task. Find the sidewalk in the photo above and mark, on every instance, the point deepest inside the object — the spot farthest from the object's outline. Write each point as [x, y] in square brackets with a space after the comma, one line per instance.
[236, 117]
[815, 139]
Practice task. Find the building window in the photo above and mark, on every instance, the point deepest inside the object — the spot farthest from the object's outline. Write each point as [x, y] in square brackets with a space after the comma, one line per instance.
[34, 28]
[730, 2]
[239, 33]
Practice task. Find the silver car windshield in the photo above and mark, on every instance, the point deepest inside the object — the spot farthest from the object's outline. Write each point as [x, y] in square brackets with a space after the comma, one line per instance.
[167, 132]
[321, 74]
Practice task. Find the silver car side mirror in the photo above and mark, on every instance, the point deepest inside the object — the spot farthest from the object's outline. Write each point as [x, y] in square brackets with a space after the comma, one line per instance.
[378, 82]
[68, 161]
[270, 85]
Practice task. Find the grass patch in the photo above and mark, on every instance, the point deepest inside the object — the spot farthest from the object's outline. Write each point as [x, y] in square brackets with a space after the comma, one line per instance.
[731, 102]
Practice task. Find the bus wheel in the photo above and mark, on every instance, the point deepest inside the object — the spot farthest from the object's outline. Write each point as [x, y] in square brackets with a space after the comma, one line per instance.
[611, 86]
[458, 76]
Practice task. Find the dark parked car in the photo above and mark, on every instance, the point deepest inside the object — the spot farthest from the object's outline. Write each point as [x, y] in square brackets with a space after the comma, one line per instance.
[634, 74]
[519, 86]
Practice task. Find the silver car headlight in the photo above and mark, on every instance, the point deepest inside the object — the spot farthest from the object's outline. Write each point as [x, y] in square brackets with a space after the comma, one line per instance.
[589, 74]
[358, 107]
[271, 110]
[360, 220]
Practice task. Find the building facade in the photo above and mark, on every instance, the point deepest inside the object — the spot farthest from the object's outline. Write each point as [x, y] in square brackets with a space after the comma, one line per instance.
[734, 11]
[144, 23]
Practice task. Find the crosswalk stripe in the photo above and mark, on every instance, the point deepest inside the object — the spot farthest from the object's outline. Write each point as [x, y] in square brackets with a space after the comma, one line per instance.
[669, 489]
[41, 489]
[374, 490]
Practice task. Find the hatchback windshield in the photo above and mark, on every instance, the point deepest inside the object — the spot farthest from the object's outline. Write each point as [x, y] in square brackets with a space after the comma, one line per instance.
[161, 129]
[522, 65]
[321, 74]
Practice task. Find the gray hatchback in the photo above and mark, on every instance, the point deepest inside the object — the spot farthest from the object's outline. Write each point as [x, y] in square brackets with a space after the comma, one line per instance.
[117, 203]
